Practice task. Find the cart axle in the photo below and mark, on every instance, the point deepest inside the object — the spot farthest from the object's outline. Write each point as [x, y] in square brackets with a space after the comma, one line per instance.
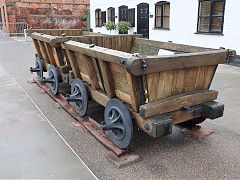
[48, 80]
[36, 69]
[73, 98]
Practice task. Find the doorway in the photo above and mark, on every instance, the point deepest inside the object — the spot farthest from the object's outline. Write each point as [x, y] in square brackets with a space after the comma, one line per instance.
[143, 19]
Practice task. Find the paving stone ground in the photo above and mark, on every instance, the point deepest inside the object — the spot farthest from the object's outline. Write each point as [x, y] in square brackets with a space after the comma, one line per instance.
[29, 146]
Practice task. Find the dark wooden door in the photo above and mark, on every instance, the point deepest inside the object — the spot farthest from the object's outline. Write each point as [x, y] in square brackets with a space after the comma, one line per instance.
[143, 19]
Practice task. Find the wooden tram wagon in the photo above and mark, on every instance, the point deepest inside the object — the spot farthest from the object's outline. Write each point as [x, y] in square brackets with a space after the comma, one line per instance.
[125, 74]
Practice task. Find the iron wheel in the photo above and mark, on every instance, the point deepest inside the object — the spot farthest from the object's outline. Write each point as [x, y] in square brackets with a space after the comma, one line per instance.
[80, 94]
[118, 123]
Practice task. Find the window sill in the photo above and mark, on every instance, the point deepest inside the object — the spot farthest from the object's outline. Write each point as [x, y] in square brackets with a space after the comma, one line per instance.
[209, 33]
[166, 29]
[98, 26]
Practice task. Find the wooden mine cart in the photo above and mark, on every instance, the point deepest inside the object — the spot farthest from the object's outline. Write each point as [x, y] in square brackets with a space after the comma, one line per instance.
[125, 74]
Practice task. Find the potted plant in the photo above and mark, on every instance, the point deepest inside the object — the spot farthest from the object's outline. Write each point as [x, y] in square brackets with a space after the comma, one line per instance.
[123, 27]
[110, 26]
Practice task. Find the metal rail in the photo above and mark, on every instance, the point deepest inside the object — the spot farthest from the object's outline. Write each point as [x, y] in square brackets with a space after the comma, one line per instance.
[13, 28]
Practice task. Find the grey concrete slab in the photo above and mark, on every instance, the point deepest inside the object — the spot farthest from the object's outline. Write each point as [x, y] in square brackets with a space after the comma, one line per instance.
[29, 146]
[176, 156]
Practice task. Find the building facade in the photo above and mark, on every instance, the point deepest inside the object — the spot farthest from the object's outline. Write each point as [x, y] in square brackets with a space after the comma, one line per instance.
[52, 14]
[207, 23]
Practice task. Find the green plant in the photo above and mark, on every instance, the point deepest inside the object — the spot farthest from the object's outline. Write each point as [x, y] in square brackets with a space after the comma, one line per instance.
[84, 17]
[124, 26]
[48, 15]
[110, 26]
[10, 4]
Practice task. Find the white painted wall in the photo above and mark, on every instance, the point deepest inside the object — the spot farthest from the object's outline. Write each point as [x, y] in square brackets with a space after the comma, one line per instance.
[183, 23]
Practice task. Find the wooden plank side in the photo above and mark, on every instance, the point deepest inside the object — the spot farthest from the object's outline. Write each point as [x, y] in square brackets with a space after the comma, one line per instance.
[134, 91]
[152, 83]
[166, 78]
[169, 45]
[107, 78]
[176, 102]
[177, 61]
[43, 51]
[199, 84]
[91, 71]
[98, 52]
[36, 44]
[178, 81]
[73, 62]
[190, 79]
[50, 53]
[209, 75]
[123, 96]
[58, 56]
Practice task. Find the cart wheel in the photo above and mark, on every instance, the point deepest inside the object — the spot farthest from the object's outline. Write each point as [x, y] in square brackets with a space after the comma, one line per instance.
[39, 68]
[192, 122]
[79, 97]
[52, 79]
[118, 123]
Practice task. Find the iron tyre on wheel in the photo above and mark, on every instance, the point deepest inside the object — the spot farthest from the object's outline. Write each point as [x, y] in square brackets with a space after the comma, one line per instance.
[39, 69]
[118, 123]
[79, 97]
[52, 79]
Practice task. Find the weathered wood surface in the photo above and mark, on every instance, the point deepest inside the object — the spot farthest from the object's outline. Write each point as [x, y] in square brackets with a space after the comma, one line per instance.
[107, 78]
[57, 32]
[105, 54]
[174, 103]
[169, 46]
[177, 61]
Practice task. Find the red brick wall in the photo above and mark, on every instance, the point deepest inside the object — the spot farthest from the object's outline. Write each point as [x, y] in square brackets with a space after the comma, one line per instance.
[51, 14]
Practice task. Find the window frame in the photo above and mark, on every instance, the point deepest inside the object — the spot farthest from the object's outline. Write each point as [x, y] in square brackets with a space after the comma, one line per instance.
[211, 17]
[132, 23]
[98, 21]
[123, 7]
[161, 4]
[103, 17]
[111, 15]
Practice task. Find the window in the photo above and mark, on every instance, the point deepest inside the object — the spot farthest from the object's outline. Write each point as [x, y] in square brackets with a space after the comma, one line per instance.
[103, 17]
[98, 18]
[111, 14]
[211, 16]
[123, 13]
[162, 15]
[131, 16]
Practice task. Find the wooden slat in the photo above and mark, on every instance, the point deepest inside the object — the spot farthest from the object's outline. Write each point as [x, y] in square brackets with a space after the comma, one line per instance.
[107, 78]
[44, 51]
[199, 84]
[58, 56]
[36, 44]
[50, 53]
[133, 91]
[91, 71]
[209, 75]
[190, 79]
[72, 60]
[169, 45]
[44, 37]
[177, 61]
[123, 96]
[176, 102]
[98, 52]
[152, 82]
